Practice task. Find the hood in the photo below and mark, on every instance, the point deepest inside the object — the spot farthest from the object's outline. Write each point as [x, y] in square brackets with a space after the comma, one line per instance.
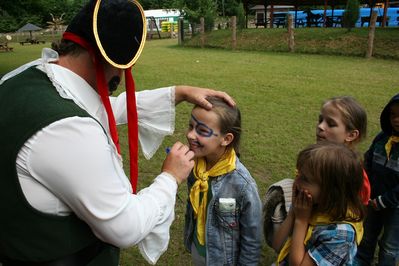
[385, 114]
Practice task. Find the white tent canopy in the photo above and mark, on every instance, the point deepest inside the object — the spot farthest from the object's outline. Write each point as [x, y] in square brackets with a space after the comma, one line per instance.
[158, 16]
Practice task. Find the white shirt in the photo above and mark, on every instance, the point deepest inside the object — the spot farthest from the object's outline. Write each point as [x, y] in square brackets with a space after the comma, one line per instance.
[71, 165]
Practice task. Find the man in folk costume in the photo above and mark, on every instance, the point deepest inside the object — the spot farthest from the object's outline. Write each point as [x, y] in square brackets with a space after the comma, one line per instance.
[65, 199]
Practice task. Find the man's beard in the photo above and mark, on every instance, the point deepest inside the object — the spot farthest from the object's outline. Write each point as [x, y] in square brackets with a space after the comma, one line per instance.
[113, 84]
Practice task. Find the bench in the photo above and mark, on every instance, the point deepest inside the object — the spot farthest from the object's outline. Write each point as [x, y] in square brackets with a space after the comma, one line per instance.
[334, 21]
[5, 48]
[31, 41]
[279, 19]
[260, 22]
[300, 23]
[315, 20]
[367, 20]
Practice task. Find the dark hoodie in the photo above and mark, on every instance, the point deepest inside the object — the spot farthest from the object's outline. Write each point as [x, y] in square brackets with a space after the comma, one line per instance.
[384, 173]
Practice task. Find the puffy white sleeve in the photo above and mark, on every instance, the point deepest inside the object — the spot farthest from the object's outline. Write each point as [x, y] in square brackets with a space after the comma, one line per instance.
[73, 160]
[156, 115]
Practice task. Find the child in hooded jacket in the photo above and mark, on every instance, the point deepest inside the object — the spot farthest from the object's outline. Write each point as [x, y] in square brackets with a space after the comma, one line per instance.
[382, 166]
[223, 215]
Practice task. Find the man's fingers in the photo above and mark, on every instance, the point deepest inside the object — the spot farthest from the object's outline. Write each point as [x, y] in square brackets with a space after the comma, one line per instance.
[227, 98]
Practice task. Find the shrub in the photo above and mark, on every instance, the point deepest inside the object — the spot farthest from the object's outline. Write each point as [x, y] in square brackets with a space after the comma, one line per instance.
[351, 14]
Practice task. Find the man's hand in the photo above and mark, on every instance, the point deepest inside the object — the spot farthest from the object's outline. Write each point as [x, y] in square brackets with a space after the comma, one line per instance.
[179, 162]
[197, 95]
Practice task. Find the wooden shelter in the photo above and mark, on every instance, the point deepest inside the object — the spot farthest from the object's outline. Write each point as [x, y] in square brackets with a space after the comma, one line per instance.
[307, 3]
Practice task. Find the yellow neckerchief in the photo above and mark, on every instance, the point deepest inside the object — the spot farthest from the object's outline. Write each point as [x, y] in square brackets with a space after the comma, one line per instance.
[388, 145]
[226, 164]
[320, 220]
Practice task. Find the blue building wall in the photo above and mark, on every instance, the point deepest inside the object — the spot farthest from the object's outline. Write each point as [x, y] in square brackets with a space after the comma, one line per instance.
[392, 13]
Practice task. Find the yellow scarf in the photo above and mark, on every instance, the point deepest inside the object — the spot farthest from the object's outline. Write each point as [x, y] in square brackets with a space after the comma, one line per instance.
[226, 164]
[388, 145]
[319, 220]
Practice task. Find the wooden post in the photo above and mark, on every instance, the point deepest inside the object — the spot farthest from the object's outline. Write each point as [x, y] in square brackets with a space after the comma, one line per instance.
[384, 18]
[151, 28]
[370, 43]
[325, 14]
[181, 31]
[234, 30]
[271, 16]
[202, 31]
[291, 42]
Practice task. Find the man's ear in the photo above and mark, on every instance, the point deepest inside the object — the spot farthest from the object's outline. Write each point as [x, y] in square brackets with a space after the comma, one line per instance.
[352, 136]
[227, 139]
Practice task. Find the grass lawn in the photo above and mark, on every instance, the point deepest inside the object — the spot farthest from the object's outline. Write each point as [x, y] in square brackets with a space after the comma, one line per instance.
[334, 41]
[279, 95]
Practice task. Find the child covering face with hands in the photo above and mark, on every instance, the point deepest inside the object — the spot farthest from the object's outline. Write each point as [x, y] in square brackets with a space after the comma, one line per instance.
[324, 224]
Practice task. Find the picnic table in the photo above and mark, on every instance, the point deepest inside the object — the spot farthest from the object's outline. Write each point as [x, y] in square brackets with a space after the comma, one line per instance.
[31, 41]
[5, 48]
[367, 20]
[315, 20]
[333, 21]
[260, 22]
[279, 19]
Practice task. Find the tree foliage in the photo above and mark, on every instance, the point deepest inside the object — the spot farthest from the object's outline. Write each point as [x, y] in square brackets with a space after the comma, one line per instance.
[240, 16]
[193, 10]
[16, 13]
[157, 4]
[351, 14]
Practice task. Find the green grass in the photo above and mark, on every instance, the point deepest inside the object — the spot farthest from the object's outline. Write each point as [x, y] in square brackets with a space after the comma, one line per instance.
[19, 55]
[279, 94]
[335, 41]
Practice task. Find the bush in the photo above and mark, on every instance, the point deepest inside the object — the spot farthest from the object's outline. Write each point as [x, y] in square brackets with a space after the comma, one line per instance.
[351, 14]
[240, 16]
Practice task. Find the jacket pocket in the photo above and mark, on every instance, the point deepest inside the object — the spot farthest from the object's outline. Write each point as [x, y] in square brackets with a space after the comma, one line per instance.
[227, 213]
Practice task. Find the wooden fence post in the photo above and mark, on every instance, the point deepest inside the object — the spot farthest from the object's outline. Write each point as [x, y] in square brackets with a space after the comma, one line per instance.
[202, 31]
[234, 30]
[370, 42]
[172, 30]
[151, 29]
[181, 31]
[291, 40]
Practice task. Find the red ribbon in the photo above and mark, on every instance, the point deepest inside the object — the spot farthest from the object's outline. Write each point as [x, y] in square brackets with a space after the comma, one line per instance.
[102, 88]
[132, 122]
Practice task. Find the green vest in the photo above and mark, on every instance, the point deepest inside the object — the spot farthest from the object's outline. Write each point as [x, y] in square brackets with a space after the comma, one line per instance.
[29, 102]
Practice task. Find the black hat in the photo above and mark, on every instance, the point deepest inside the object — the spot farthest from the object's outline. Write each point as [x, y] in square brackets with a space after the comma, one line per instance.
[114, 28]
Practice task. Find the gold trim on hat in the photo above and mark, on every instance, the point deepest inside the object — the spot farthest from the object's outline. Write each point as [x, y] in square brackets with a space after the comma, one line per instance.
[100, 47]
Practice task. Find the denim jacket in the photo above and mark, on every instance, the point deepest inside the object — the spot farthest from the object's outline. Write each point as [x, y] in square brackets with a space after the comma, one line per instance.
[233, 235]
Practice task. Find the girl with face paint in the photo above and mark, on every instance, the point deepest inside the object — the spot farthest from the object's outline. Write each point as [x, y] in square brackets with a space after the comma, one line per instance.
[221, 190]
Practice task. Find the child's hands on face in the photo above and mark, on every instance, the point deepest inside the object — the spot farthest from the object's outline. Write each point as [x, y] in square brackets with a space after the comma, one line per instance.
[302, 203]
